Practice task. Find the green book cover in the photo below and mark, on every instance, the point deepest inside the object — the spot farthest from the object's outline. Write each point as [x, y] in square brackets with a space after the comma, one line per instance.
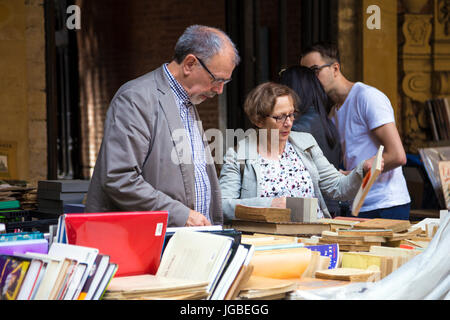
[11, 204]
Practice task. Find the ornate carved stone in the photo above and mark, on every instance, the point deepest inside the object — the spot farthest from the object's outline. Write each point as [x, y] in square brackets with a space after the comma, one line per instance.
[417, 86]
[417, 31]
[443, 16]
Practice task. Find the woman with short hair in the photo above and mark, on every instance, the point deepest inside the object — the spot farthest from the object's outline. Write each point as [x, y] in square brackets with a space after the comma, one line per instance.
[275, 163]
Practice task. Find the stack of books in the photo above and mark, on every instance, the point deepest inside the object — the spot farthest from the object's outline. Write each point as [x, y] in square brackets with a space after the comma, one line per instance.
[296, 221]
[64, 272]
[17, 196]
[201, 263]
[61, 196]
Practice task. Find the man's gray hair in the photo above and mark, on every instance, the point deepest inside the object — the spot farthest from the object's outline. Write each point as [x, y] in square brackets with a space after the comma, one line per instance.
[204, 42]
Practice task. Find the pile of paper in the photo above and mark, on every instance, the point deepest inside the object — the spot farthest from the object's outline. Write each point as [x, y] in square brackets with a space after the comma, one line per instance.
[152, 287]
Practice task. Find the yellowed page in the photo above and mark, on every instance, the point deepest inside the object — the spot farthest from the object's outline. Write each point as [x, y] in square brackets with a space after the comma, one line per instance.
[281, 264]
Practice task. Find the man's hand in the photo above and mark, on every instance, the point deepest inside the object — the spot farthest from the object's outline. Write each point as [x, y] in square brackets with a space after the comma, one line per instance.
[279, 203]
[196, 219]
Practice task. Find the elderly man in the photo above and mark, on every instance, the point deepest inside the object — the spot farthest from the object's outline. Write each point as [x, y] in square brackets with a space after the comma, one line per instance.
[142, 166]
[365, 120]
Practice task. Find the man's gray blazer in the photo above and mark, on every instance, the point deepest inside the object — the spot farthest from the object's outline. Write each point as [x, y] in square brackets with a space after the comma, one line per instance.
[141, 165]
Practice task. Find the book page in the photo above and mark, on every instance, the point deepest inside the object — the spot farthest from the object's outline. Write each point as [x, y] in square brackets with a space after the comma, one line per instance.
[281, 264]
[194, 255]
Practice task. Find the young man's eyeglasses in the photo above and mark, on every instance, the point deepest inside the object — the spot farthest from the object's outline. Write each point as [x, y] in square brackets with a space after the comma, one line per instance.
[316, 69]
[283, 118]
[215, 79]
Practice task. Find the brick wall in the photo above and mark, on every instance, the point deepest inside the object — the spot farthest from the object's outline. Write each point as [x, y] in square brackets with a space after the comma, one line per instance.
[121, 40]
[22, 85]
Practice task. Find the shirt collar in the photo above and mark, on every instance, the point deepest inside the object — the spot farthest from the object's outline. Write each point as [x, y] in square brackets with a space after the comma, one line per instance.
[176, 87]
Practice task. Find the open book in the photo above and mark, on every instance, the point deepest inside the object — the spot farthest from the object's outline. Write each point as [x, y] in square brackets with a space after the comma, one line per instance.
[368, 181]
[196, 256]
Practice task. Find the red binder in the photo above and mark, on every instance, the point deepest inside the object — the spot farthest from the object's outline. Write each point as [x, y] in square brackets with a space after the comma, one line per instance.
[133, 240]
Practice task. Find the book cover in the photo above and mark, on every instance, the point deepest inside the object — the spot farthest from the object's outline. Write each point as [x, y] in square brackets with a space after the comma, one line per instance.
[367, 182]
[10, 204]
[23, 246]
[106, 279]
[328, 250]
[82, 254]
[21, 236]
[98, 270]
[133, 240]
[30, 282]
[12, 273]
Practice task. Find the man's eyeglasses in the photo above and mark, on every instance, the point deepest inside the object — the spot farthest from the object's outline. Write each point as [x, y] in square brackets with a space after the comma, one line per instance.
[316, 69]
[283, 118]
[215, 79]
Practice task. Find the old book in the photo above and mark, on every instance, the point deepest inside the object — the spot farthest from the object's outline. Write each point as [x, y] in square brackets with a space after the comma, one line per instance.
[262, 214]
[349, 274]
[368, 181]
[317, 262]
[147, 285]
[192, 255]
[241, 257]
[302, 209]
[366, 232]
[281, 228]
[239, 282]
[391, 224]
[281, 263]
[364, 261]
[263, 288]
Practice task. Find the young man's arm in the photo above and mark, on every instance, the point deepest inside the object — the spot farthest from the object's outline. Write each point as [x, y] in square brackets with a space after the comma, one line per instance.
[394, 154]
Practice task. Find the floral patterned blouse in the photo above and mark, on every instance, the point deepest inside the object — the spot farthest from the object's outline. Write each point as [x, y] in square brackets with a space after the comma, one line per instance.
[286, 177]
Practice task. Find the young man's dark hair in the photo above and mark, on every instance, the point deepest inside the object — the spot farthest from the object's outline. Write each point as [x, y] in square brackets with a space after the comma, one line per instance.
[329, 51]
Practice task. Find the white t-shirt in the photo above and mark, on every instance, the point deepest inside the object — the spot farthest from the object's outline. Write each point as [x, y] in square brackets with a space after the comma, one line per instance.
[366, 108]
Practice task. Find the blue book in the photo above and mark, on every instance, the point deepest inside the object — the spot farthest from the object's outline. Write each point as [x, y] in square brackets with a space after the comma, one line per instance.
[328, 250]
[21, 236]
[280, 246]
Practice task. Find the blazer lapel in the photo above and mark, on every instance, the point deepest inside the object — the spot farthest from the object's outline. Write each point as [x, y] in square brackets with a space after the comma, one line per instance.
[178, 133]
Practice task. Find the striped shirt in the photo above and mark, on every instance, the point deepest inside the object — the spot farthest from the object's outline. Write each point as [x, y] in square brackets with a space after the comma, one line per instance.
[187, 114]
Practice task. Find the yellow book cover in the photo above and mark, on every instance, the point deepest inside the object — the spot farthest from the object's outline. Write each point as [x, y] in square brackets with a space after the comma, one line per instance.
[12, 273]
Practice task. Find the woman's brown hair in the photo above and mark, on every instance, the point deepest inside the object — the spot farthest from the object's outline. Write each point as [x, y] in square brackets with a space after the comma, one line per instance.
[261, 100]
